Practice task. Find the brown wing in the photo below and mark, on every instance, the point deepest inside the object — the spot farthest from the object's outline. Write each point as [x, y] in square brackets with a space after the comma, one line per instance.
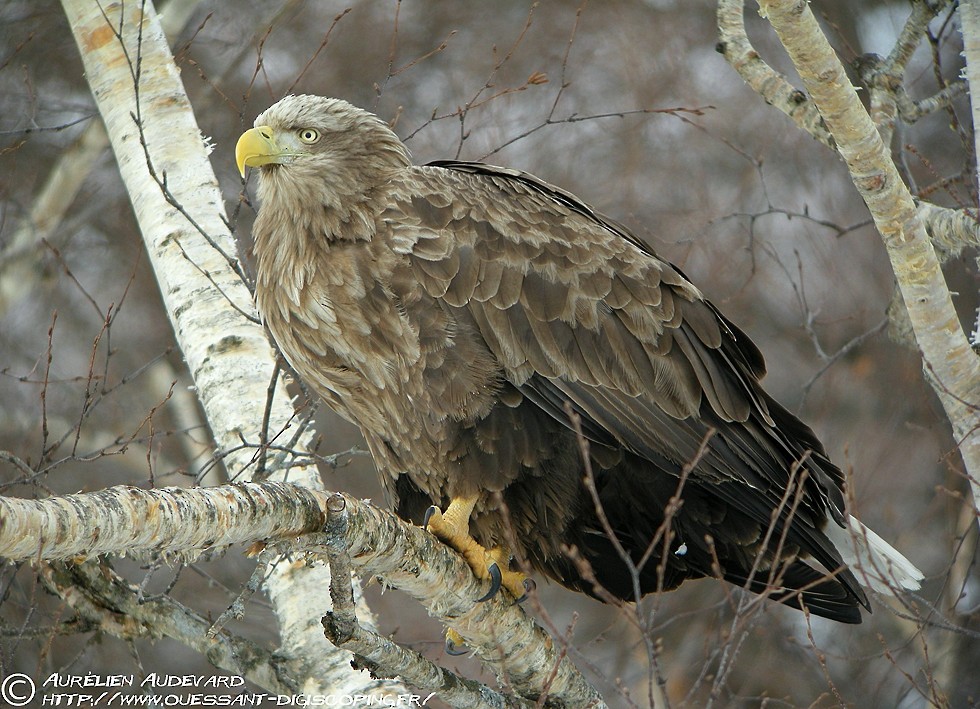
[575, 308]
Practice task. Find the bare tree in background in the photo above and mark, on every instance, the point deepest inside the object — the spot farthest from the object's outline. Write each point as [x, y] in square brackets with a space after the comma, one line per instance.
[103, 383]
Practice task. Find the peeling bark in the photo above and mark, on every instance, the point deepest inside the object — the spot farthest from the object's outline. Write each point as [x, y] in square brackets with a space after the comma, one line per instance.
[951, 230]
[948, 359]
[178, 522]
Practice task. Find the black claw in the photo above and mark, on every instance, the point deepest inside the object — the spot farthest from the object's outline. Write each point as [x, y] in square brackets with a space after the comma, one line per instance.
[452, 649]
[495, 580]
[428, 515]
[529, 585]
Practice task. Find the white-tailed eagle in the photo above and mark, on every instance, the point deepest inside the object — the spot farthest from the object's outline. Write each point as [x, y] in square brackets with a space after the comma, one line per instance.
[478, 324]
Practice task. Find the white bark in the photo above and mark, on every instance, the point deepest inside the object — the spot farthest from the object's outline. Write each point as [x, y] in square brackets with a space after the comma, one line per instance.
[948, 359]
[970, 22]
[951, 230]
[226, 352]
[130, 520]
[178, 523]
[775, 88]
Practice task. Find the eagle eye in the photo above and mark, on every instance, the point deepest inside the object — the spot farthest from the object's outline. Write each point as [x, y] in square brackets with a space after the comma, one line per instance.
[309, 135]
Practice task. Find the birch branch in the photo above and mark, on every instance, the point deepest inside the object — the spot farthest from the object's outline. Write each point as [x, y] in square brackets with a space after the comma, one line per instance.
[342, 628]
[951, 365]
[177, 521]
[130, 520]
[951, 230]
[101, 596]
[772, 86]
[207, 304]
[884, 78]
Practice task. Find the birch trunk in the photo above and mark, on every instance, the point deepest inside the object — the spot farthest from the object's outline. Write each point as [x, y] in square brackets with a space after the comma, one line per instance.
[970, 19]
[126, 57]
[949, 362]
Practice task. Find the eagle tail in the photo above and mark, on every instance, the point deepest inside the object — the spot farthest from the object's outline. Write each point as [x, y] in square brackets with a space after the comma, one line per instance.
[875, 562]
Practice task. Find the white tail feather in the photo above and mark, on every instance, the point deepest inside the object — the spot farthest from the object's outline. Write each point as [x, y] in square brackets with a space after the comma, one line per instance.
[875, 562]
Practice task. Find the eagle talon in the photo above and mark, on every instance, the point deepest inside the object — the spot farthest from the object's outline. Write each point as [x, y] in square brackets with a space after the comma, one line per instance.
[495, 580]
[428, 515]
[451, 648]
[454, 643]
[529, 586]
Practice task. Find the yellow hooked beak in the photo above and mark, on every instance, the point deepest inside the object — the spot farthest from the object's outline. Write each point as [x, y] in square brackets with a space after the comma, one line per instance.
[258, 147]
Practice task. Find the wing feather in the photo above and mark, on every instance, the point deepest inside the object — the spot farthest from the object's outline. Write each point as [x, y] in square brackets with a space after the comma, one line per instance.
[460, 289]
[574, 307]
[508, 288]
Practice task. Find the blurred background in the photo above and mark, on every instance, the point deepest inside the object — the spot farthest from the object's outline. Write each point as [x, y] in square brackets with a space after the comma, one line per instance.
[760, 216]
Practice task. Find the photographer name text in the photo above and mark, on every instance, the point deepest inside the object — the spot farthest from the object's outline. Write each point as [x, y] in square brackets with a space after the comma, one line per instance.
[92, 690]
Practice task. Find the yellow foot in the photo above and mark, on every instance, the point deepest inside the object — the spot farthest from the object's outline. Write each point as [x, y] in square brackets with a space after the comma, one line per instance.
[516, 583]
[454, 643]
[452, 528]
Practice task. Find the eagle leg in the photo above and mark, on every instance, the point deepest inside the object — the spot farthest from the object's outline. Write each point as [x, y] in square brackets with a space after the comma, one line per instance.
[452, 527]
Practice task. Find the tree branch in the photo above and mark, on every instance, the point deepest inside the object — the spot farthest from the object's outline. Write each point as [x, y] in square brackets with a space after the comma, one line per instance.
[948, 358]
[884, 78]
[129, 520]
[951, 230]
[111, 604]
[177, 521]
[378, 653]
[767, 82]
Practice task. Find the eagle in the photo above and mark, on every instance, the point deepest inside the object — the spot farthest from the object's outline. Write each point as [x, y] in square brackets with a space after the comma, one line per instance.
[535, 384]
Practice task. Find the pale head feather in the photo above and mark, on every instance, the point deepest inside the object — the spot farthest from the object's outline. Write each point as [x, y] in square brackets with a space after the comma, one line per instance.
[356, 152]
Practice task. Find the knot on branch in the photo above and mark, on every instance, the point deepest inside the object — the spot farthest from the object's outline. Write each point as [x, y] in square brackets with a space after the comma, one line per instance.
[338, 628]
